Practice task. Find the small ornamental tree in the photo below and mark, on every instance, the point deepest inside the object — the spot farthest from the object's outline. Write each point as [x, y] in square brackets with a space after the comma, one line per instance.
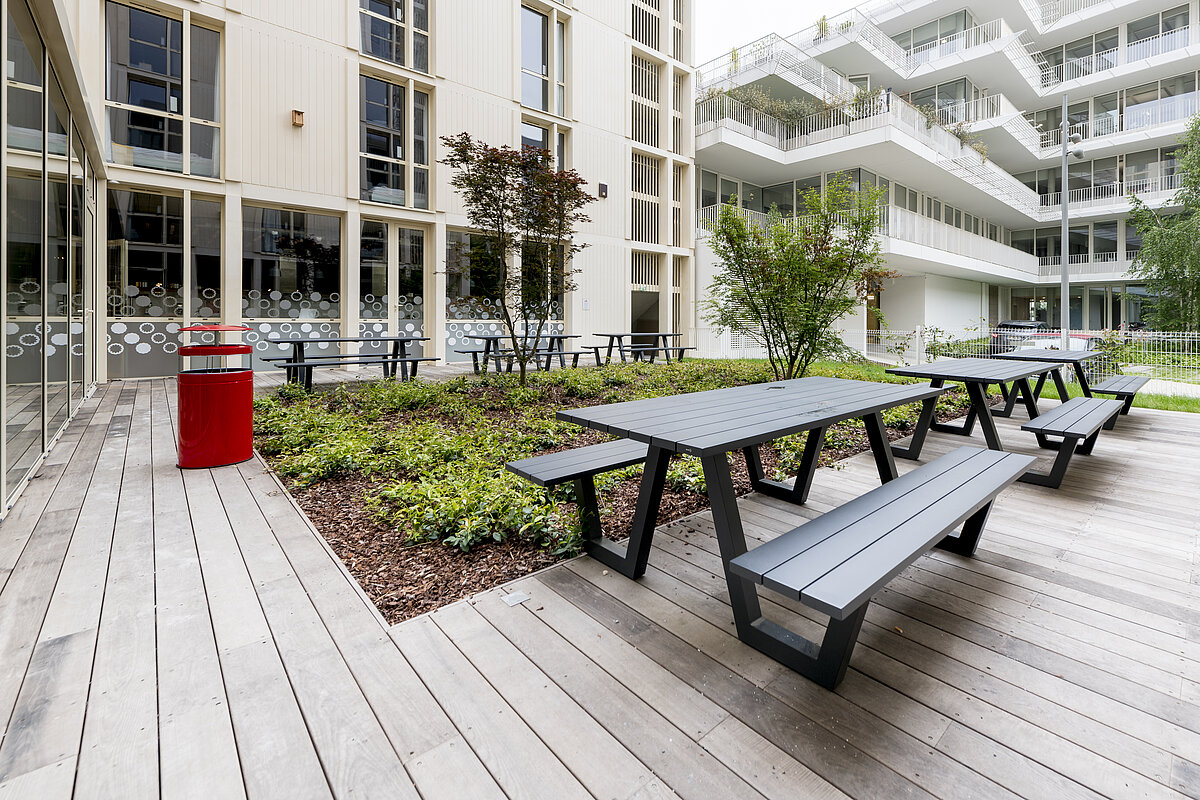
[522, 208]
[787, 284]
[1169, 258]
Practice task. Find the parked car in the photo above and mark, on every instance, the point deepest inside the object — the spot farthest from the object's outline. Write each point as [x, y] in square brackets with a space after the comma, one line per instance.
[1012, 333]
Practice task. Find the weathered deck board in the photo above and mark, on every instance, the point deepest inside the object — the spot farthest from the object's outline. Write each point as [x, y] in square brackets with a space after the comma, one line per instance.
[168, 634]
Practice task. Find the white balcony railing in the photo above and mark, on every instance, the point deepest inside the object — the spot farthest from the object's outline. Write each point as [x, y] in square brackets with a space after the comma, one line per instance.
[957, 43]
[907, 226]
[1116, 193]
[1076, 68]
[773, 54]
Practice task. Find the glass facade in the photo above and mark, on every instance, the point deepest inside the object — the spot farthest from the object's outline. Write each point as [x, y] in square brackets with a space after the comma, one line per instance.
[386, 120]
[48, 250]
[390, 28]
[291, 264]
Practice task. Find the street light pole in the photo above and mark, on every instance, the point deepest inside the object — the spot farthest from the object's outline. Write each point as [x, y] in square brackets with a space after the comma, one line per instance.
[1064, 247]
[1064, 296]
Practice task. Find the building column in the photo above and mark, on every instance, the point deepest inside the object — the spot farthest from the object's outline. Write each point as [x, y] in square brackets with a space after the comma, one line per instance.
[231, 261]
[351, 258]
[435, 291]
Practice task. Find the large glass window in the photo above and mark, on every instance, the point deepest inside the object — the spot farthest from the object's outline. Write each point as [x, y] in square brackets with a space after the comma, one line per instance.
[291, 264]
[150, 111]
[373, 271]
[206, 258]
[145, 255]
[472, 278]
[390, 27]
[24, 82]
[384, 162]
[23, 352]
[535, 59]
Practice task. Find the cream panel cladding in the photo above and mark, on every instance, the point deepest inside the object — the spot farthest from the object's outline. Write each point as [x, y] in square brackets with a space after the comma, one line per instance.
[310, 78]
[603, 281]
[318, 19]
[484, 117]
[475, 41]
[602, 158]
[600, 91]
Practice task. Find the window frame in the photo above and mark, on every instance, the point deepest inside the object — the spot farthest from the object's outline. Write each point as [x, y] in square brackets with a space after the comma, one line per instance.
[184, 118]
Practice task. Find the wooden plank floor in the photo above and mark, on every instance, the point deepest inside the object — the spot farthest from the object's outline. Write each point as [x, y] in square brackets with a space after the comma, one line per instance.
[188, 634]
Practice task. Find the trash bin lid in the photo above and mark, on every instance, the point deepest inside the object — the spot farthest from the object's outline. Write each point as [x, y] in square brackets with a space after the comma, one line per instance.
[215, 349]
[203, 328]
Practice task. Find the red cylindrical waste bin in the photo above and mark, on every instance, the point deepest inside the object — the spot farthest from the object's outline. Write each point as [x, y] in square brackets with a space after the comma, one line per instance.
[216, 405]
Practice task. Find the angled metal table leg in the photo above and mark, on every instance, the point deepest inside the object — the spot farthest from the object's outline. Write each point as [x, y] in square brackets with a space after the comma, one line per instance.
[880, 447]
[824, 663]
[1081, 376]
[980, 407]
[920, 430]
[631, 559]
[798, 491]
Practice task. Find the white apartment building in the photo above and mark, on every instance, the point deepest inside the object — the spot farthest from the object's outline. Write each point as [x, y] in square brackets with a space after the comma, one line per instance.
[958, 122]
[275, 163]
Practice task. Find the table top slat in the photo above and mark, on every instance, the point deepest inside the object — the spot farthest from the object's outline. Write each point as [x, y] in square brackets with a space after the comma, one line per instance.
[721, 420]
[1049, 354]
[976, 370]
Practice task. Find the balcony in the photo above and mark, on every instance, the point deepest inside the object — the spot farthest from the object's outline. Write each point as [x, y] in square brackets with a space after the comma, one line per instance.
[722, 112]
[772, 55]
[1086, 265]
[1157, 189]
[907, 226]
[1076, 68]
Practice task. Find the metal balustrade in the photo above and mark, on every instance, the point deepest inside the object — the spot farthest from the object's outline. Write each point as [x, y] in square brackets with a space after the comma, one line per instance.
[1117, 192]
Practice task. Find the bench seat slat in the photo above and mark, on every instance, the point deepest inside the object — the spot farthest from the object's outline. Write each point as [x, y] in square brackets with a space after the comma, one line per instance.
[757, 562]
[1079, 416]
[935, 503]
[556, 468]
[849, 584]
[1121, 385]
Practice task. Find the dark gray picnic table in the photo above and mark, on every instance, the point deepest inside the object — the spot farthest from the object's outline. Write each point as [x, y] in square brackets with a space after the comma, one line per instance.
[555, 345]
[976, 374]
[713, 424]
[618, 340]
[1074, 358]
[299, 351]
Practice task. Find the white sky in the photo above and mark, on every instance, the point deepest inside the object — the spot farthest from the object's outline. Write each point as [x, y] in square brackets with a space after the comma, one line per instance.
[724, 24]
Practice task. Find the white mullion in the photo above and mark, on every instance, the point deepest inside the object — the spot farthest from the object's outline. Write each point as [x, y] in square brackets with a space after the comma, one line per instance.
[188, 278]
[185, 56]
[393, 278]
[409, 137]
[406, 33]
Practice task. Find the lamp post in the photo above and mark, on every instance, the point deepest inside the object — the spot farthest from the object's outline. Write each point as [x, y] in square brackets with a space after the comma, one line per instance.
[1064, 298]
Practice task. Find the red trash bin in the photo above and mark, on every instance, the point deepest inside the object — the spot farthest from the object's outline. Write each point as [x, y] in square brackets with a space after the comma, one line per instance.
[216, 411]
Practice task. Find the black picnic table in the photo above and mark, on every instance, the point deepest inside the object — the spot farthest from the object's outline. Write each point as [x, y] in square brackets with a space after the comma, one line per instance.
[555, 345]
[976, 374]
[1074, 358]
[714, 423]
[659, 340]
[399, 350]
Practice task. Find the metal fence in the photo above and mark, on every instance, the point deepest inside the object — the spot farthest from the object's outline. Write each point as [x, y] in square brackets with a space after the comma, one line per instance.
[1171, 359]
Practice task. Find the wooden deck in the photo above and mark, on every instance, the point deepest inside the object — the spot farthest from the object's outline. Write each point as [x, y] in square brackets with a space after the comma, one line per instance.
[187, 634]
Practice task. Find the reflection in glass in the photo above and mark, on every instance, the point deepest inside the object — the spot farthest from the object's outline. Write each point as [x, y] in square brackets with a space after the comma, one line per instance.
[372, 284]
[291, 264]
[472, 278]
[23, 327]
[145, 255]
[56, 290]
[24, 117]
[76, 291]
[206, 259]
[381, 140]
[206, 78]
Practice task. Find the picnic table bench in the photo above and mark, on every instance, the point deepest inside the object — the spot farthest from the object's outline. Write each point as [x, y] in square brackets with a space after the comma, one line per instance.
[300, 364]
[493, 350]
[1078, 422]
[1123, 388]
[838, 561]
[581, 465]
[660, 342]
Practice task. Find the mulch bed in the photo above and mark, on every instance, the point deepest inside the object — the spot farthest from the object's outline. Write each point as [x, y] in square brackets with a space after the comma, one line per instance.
[406, 580]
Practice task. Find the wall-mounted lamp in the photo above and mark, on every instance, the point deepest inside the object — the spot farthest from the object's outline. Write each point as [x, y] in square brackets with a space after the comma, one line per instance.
[297, 118]
[603, 190]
